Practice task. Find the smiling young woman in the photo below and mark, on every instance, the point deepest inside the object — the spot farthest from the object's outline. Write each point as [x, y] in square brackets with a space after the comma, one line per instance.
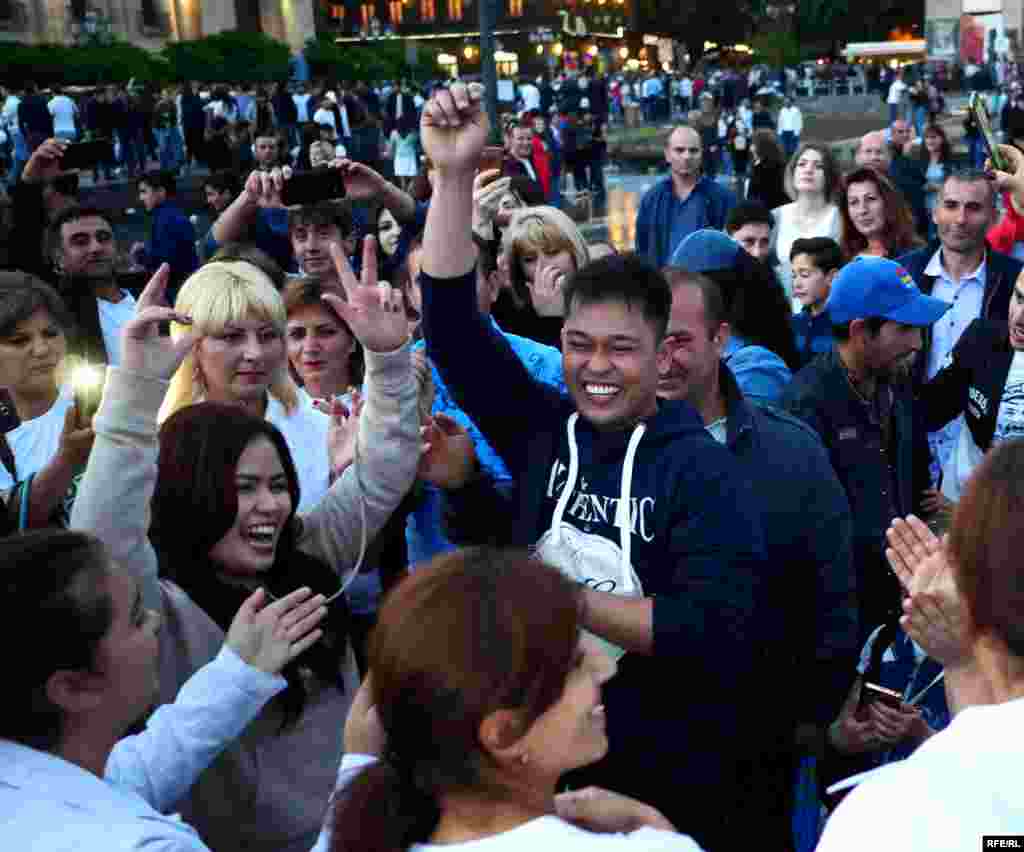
[208, 510]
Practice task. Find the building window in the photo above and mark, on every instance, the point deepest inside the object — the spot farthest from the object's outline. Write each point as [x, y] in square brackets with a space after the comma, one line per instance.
[454, 10]
[395, 12]
[428, 10]
[336, 12]
[367, 12]
[515, 8]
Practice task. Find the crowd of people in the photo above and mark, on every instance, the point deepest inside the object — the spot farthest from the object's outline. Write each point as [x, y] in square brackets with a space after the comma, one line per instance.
[423, 522]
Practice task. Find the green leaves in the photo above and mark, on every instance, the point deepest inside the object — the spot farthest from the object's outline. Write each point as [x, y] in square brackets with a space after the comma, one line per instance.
[229, 56]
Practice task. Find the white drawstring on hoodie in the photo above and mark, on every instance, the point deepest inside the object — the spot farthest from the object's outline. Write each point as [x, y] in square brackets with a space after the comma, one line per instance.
[623, 515]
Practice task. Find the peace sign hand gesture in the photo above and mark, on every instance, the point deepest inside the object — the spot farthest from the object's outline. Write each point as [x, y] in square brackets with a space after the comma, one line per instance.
[143, 349]
[374, 311]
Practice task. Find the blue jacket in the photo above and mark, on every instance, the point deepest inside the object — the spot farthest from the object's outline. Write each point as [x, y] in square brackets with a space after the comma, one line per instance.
[809, 533]
[697, 548]
[172, 240]
[813, 334]
[656, 238]
[424, 534]
[821, 395]
[761, 374]
[1001, 273]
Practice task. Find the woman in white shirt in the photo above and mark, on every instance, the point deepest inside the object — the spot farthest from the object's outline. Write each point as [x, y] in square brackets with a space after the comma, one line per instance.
[49, 446]
[240, 357]
[812, 181]
[484, 691]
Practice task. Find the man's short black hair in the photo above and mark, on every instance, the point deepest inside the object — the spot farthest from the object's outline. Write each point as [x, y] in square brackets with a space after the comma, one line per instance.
[748, 213]
[159, 179]
[72, 214]
[841, 331]
[824, 251]
[323, 213]
[65, 184]
[223, 181]
[625, 278]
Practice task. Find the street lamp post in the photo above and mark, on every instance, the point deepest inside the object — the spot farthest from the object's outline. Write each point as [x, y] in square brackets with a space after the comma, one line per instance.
[488, 15]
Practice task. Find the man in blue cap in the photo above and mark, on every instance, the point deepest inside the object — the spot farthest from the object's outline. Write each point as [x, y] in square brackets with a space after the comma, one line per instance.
[858, 398]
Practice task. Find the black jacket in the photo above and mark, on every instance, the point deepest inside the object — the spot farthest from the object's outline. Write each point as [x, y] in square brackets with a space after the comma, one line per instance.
[1001, 273]
[972, 383]
[821, 395]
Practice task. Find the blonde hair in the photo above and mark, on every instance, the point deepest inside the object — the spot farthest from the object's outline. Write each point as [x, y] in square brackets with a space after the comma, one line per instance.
[216, 294]
[540, 229]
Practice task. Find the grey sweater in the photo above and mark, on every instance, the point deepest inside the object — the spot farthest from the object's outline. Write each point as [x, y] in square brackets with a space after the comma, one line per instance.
[268, 792]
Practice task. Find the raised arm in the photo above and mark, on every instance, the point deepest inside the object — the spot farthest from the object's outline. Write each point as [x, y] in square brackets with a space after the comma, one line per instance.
[261, 189]
[216, 704]
[472, 357]
[388, 445]
[113, 496]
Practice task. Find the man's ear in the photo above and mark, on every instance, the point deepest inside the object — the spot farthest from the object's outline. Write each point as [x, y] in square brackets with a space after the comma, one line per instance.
[500, 734]
[75, 692]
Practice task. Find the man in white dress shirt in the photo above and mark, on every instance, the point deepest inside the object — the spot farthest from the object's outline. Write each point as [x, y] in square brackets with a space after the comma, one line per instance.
[963, 271]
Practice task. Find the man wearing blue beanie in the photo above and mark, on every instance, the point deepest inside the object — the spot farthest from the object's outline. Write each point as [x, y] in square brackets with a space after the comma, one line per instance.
[858, 398]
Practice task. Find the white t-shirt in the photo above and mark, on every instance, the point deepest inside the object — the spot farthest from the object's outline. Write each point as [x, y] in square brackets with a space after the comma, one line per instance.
[113, 317]
[550, 832]
[787, 233]
[960, 784]
[967, 455]
[305, 431]
[896, 91]
[63, 110]
[36, 441]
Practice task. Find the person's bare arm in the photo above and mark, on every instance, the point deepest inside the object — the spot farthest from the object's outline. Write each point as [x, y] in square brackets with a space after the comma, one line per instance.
[262, 189]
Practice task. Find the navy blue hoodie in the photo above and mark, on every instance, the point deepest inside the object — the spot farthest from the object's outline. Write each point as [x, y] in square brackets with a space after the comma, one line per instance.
[686, 725]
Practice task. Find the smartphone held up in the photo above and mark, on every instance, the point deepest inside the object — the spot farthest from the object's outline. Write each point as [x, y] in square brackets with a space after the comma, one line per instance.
[313, 186]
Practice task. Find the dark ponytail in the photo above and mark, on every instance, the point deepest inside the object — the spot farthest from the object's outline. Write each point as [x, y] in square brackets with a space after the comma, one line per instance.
[476, 631]
[383, 810]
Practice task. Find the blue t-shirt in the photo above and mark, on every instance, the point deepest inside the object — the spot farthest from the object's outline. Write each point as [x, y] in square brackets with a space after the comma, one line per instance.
[424, 536]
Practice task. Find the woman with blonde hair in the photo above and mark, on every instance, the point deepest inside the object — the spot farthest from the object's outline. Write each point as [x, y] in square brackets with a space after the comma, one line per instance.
[542, 246]
[239, 357]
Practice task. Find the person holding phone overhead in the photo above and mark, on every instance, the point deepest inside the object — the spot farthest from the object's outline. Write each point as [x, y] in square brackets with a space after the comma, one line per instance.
[259, 213]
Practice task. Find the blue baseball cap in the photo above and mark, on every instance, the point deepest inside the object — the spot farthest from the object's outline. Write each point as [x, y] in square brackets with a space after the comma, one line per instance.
[877, 287]
[706, 250]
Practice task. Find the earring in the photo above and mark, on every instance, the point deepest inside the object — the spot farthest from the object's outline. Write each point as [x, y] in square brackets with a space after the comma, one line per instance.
[524, 758]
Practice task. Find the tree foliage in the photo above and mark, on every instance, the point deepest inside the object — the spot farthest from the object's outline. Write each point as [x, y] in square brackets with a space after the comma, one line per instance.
[49, 64]
[229, 56]
[373, 61]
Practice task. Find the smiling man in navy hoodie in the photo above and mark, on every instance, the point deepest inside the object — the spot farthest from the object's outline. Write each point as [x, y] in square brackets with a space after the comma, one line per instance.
[627, 494]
